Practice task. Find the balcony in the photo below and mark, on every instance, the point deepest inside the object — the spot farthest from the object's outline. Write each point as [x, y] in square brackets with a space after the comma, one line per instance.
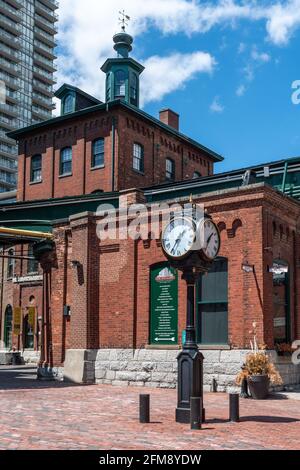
[42, 87]
[6, 122]
[8, 179]
[8, 165]
[41, 100]
[43, 75]
[44, 37]
[9, 110]
[9, 150]
[9, 53]
[44, 24]
[8, 10]
[41, 112]
[46, 12]
[9, 39]
[4, 137]
[42, 48]
[10, 25]
[52, 4]
[9, 80]
[43, 62]
[9, 67]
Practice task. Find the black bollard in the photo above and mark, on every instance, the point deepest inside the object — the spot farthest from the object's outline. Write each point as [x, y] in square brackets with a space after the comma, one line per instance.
[144, 408]
[234, 412]
[196, 413]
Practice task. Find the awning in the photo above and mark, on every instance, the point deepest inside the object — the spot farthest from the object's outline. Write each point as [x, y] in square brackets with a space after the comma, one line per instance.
[12, 236]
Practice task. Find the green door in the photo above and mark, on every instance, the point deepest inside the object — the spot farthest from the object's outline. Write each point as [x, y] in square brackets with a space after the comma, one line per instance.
[8, 321]
[212, 300]
[164, 305]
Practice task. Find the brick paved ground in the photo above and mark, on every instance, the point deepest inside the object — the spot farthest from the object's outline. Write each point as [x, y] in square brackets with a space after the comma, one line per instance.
[37, 415]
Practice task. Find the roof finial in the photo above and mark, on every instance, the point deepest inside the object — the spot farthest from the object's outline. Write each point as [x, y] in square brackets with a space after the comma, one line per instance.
[123, 20]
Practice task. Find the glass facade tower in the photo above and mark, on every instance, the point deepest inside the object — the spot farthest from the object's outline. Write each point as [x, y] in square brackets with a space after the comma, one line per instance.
[27, 42]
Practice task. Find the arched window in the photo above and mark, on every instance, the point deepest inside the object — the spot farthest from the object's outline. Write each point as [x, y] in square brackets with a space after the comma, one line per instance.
[212, 314]
[120, 84]
[8, 322]
[170, 169]
[133, 89]
[10, 264]
[65, 161]
[68, 104]
[36, 169]
[138, 157]
[196, 175]
[98, 153]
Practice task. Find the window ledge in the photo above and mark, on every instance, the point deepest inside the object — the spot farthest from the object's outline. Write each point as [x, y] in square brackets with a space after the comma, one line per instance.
[35, 182]
[165, 346]
[138, 172]
[214, 347]
[66, 175]
[99, 167]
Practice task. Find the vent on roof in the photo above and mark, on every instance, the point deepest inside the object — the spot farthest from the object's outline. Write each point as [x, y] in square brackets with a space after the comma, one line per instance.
[249, 178]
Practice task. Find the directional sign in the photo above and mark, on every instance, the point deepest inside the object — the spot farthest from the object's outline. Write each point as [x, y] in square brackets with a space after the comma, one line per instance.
[164, 305]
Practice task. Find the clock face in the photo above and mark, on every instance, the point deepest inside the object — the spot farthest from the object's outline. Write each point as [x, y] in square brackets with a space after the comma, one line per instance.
[178, 237]
[211, 239]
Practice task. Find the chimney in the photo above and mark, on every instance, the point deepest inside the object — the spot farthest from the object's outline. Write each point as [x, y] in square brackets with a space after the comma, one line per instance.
[169, 117]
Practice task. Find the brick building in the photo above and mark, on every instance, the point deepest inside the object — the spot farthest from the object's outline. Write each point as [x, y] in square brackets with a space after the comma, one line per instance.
[91, 307]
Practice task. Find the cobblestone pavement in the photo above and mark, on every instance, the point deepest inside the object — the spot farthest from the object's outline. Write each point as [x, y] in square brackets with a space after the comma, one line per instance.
[49, 415]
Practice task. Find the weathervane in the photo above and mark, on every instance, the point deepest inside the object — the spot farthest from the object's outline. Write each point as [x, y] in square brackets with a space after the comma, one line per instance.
[123, 19]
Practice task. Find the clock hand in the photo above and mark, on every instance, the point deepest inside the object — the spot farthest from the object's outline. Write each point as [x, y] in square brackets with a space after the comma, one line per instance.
[208, 240]
[178, 240]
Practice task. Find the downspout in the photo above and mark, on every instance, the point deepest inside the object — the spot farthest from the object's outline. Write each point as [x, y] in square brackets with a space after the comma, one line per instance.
[113, 151]
[2, 286]
[284, 176]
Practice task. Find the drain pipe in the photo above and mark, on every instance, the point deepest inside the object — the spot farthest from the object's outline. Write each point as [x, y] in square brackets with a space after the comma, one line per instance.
[113, 150]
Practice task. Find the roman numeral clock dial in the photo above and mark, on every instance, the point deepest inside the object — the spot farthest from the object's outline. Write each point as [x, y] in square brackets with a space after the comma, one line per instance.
[178, 237]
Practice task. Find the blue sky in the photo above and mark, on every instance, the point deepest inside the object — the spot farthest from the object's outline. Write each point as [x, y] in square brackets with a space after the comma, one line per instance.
[226, 67]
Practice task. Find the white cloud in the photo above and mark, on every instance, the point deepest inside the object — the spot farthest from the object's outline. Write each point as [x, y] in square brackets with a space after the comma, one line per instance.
[216, 106]
[166, 74]
[241, 90]
[86, 28]
[260, 56]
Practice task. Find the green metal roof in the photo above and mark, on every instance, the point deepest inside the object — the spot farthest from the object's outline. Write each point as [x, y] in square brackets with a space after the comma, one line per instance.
[283, 175]
[40, 215]
[105, 107]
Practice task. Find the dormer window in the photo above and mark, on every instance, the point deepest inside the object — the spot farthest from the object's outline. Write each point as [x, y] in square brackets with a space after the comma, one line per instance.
[68, 104]
[120, 84]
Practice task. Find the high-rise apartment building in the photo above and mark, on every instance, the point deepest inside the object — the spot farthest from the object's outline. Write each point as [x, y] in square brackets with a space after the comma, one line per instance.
[27, 42]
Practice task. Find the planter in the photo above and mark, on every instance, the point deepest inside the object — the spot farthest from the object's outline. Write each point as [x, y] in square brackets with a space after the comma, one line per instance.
[259, 386]
[16, 359]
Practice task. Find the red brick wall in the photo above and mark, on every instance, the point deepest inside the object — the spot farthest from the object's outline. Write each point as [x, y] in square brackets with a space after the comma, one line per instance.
[79, 134]
[109, 295]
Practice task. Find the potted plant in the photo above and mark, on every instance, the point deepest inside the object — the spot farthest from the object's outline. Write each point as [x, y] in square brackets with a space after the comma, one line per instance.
[259, 371]
[284, 349]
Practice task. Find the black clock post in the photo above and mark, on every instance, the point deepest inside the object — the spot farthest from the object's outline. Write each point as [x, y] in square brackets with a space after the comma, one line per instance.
[190, 360]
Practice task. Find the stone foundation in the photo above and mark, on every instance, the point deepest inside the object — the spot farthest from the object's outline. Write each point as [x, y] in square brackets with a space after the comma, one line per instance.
[158, 368]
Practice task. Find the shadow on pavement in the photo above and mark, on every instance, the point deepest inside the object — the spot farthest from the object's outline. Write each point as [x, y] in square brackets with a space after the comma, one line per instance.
[269, 419]
[24, 377]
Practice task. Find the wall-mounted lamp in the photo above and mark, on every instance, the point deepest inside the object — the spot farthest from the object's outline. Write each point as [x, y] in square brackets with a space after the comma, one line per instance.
[247, 268]
[75, 264]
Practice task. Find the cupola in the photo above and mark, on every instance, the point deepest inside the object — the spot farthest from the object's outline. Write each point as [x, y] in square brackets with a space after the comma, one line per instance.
[123, 72]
